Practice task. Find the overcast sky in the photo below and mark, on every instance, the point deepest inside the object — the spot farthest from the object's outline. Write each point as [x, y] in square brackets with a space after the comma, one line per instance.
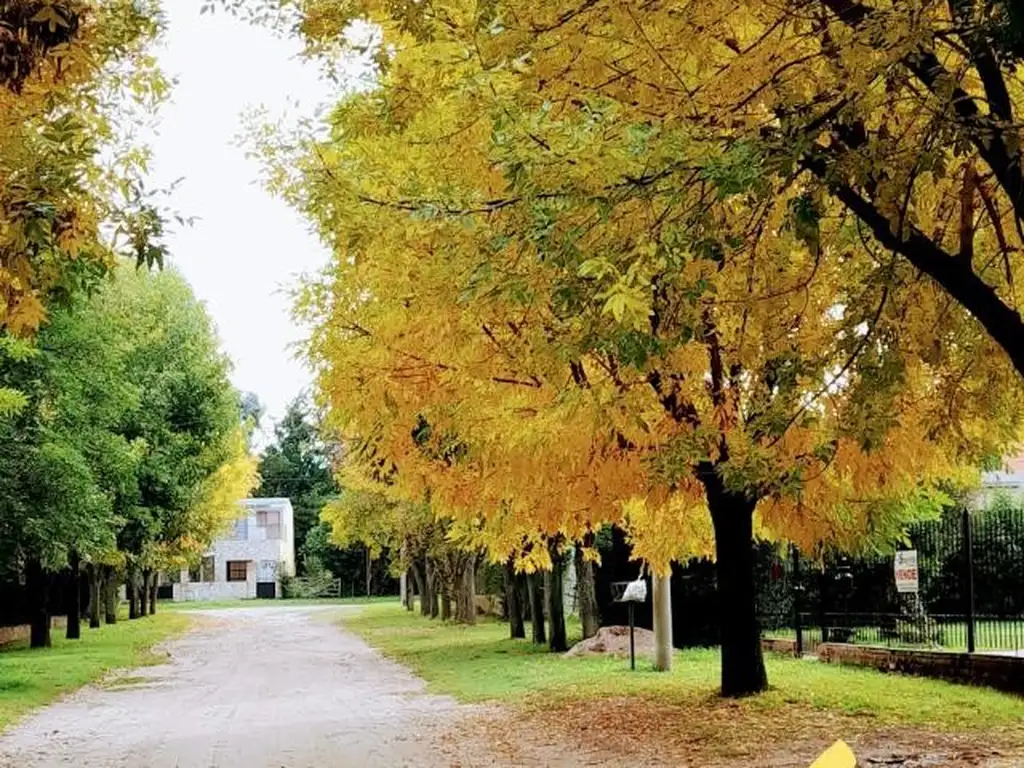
[246, 248]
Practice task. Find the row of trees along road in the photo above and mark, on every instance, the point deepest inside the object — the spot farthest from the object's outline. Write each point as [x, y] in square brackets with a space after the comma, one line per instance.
[129, 453]
[713, 271]
[121, 448]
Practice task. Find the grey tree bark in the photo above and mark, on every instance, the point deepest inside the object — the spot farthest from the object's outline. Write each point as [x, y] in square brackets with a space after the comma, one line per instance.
[662, 607]
[110, 594]
[557, 639]
[95, 596]
[536, 593]
[586, 589]
[513, 606]
[132, 588]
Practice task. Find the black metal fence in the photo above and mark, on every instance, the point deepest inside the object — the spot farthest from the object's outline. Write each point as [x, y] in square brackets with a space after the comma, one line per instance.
[970, 594]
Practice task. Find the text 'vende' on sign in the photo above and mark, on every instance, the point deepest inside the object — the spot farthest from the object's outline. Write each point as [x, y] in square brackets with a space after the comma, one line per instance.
[906, 571]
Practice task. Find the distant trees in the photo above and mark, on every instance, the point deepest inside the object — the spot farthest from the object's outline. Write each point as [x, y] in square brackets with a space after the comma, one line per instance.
[297, 465]
[128, 454]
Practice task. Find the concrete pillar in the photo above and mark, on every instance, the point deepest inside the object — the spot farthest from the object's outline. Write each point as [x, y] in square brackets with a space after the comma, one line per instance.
[662, 609]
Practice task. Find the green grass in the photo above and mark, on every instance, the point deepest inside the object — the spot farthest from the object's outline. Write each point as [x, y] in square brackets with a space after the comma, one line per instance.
[200, 605]
[33, 678]
[480, 663]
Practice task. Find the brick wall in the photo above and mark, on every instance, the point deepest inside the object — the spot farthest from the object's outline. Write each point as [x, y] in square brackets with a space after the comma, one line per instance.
[1004, 673]
[776, 645]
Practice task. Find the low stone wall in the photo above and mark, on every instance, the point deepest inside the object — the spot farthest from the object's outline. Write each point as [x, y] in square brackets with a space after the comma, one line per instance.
[214, 590]
[10, 635]
[777, 645]
[1004, 673]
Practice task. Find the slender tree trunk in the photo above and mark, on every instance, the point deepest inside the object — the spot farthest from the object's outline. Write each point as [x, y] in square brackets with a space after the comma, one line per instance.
[421, 588]
[131, 587]
[513, 607]
[95, 596]
[369, 574]
[533, 585]
[37, 581]
[434, 587]
[152, 593]
[446, 601]
[586, 589]
[143, 588]
[661, 586]
[557, 640]
[466, 589]
[743, 671]
[110, 594]
[73, 630]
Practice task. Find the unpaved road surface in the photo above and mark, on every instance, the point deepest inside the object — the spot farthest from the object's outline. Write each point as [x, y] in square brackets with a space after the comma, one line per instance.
[268, 687]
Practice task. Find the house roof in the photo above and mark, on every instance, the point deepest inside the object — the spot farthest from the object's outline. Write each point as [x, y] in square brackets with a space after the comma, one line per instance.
[279, 502]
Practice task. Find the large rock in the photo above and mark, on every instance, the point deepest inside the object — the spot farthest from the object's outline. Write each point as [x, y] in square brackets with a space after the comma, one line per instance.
[615, 640]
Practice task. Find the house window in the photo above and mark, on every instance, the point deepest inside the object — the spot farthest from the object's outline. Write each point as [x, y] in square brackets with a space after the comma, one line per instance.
[236, 570]
[270, 521]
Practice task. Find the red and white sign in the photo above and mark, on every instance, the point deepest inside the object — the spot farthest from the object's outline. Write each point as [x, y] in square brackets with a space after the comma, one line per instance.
[906, 571]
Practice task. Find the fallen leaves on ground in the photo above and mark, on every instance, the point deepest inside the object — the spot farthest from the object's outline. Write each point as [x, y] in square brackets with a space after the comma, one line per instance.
[710, 733]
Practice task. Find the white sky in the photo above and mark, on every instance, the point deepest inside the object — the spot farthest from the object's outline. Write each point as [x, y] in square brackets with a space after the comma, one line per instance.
[246, 249]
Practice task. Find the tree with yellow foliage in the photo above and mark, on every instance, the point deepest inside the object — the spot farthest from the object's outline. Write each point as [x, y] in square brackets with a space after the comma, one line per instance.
[76, 77]
[584, 245]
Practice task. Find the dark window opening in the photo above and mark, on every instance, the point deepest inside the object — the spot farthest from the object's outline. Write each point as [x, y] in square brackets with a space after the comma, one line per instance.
[236, 570]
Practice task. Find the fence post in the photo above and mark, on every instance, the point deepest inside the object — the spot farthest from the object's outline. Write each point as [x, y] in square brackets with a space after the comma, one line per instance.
[797, 607]
[969, 577]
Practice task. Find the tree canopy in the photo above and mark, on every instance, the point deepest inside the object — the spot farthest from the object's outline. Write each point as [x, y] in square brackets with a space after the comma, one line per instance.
[712, 271]
[130, 439]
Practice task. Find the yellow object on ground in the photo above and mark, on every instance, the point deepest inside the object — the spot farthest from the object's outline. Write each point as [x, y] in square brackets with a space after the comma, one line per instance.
[837, 756]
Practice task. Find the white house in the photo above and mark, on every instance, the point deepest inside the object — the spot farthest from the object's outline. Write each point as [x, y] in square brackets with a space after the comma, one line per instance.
[249, 561]
[1009, 479]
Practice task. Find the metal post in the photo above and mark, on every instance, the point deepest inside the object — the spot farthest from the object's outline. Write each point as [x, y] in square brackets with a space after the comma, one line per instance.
[797, 603]
[969, 578]
[632, 647]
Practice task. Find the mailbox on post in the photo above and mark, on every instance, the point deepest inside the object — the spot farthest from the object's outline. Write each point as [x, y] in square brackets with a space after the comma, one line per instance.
[630, 592]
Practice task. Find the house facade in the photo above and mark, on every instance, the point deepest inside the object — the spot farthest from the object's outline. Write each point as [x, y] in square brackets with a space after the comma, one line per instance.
[1009, 479]
[247, 562]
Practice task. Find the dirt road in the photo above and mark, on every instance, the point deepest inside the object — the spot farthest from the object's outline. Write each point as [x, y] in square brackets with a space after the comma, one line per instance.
[268, 687]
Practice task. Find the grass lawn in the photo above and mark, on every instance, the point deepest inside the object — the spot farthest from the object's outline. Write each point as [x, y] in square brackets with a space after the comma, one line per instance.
[200, 605]
[480, 663]
[32, 678]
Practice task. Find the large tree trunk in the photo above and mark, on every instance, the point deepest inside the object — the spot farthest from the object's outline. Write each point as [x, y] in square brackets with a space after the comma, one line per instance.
[95, 596]
[74, 603]
[661, 586]
[513, 606]
[586, 590]
[132, 588]
[110, 594]
[743, 669]
[533, 585]
[37, 581]
[557, 640]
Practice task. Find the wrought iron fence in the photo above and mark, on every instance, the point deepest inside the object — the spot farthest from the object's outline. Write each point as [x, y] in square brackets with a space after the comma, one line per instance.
[970, 591]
